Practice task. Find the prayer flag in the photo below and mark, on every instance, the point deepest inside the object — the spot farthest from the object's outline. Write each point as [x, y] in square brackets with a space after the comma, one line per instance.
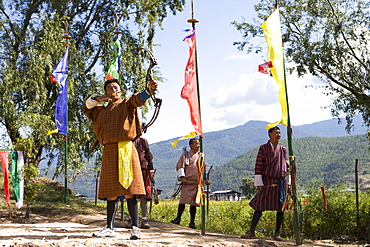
[114, 68]
[263, 68]
[4, 158]
[272, 32]
[61, 75]
[190, 89]
[52, 79]
[17, 177]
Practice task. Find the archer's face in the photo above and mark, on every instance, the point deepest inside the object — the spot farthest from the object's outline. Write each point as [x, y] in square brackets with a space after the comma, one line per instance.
[113, 90]
[195, 145]
[275, 136]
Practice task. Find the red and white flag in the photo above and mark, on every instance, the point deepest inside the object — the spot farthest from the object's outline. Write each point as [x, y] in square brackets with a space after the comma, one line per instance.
[264, 68]
[190, 89]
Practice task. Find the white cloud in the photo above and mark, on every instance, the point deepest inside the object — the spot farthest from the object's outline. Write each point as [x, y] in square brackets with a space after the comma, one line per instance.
[255, 97]
[250, 88]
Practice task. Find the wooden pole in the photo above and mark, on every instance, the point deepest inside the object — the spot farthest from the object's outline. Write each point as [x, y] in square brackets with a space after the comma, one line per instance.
[357, 200]
[67, 37]
[193, 21]
[296, 207]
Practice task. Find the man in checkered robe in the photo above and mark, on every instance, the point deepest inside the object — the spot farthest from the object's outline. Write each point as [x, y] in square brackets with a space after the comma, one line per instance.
[116, 120]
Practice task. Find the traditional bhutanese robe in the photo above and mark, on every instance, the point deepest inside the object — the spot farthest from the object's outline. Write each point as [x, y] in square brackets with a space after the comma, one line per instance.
[146, 161]
[116, 122]
[190, 187]
[272, 165]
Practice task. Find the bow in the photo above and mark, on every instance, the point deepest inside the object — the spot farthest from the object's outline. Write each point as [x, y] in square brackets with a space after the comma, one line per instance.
[149, 78]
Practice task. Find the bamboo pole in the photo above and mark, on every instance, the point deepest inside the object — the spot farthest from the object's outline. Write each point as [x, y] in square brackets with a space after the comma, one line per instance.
[193, 21]
[67, 37]
[357, 199]
[296, 216]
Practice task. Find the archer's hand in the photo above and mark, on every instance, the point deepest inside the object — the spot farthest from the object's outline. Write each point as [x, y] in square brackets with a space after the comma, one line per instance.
[184, 180]
[102, 98]
[152, 87]
[259, 189]
[207, 182]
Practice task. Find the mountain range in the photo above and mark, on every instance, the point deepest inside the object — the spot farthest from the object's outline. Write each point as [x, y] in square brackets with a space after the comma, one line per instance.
[232, 154]
[220, 147]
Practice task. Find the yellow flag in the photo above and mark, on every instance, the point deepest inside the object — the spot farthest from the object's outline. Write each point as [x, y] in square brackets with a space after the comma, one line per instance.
[272, 32]
[125, 174]
[52, 132]
[199, 195]
[190, 135]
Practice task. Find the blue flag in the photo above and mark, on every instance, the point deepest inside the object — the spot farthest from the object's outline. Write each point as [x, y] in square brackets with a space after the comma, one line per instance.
[61, 74]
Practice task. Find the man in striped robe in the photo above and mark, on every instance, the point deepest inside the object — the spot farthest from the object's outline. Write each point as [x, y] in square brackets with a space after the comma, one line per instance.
[147, 169]
[270, 171]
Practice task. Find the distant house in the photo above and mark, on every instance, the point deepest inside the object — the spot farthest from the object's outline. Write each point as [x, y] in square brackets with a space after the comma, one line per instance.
[81, 196]
[225, 195]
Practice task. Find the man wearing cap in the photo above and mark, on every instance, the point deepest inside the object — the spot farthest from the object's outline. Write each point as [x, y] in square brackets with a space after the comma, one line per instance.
[116, 124]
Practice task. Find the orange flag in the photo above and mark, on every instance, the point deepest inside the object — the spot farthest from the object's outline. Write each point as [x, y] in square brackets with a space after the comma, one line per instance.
[190, 90]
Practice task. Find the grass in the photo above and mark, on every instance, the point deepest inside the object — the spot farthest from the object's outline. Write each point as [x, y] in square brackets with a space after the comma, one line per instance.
[338, 223]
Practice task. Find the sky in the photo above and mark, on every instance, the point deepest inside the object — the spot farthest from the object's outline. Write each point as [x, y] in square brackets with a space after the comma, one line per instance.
[232, 91]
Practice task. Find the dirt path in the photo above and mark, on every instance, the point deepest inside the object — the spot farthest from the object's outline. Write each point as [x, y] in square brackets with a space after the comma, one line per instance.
[44, 232]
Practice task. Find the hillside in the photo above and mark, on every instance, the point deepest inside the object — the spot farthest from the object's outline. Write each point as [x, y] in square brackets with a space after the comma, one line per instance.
[320, 161]
[220, 147]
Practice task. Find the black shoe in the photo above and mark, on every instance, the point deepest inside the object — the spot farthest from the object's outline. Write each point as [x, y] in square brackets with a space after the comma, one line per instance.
[176, 221]
[192, 225]
[144, 224]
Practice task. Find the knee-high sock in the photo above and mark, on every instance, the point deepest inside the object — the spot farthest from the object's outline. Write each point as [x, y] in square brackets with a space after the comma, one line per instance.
[111, 213]
[256, 217]
[180, 210]
[193, 211]
[279, 221]
[144, 207]
[133, 210]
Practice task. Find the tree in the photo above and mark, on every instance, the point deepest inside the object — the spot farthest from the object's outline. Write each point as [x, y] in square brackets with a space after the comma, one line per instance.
[328, 39]
[248, 188]
[31, 44]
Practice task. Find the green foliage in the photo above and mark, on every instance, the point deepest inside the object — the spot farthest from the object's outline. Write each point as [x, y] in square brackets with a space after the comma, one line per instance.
[340, 220]
[328, 39]
[320, 161]
[338, 223]
[248, 188]
[31, 45]
[30, 187]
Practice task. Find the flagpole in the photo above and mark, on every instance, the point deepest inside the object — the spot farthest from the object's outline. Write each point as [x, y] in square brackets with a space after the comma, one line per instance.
[292, 163]
[66, 36]
[193, 21]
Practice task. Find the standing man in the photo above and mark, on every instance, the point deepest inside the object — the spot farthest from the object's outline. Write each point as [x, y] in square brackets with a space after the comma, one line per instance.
[146, 162]
[270, 171]
[188, 171]
[116, 123]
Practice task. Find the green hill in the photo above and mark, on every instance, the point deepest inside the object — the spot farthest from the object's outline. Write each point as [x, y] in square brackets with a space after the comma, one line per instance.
[320, 161]
[224, 148]
[220, 147]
